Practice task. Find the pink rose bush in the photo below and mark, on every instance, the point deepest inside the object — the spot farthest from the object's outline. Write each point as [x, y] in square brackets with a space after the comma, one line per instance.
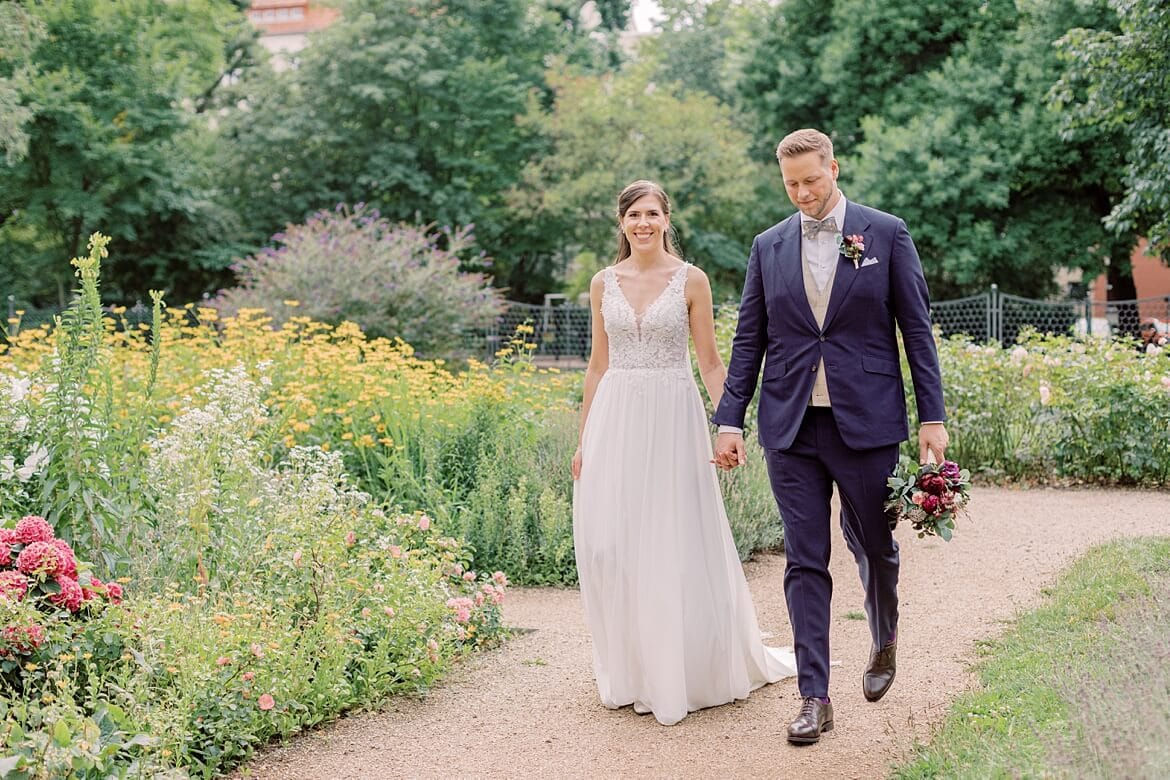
[928, 496]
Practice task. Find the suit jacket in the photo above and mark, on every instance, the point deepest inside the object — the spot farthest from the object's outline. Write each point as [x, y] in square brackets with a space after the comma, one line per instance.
[858, 341]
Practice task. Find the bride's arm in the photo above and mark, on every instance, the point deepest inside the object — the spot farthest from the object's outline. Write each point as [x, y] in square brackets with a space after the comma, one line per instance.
[598, 362]
[702, 319]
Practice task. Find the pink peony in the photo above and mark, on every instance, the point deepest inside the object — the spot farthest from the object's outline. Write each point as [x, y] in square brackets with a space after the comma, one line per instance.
[469, 576]
[8, 536]
[350, 539]
[500, 579]
[932, 483]
[5, 554]
[13, 585]
[70, 596]
[68, 561]
[257, 649]
[424, 523]
[249, 676]
[395, 551]
[223, 660]
[33, 529]
[39, 558]
[266, 702]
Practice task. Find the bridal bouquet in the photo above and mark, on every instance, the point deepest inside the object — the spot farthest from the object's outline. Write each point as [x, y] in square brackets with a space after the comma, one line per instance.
[929, 496]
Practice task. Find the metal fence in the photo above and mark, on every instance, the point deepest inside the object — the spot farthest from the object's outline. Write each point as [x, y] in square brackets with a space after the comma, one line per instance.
[996, 316]
[562, 332]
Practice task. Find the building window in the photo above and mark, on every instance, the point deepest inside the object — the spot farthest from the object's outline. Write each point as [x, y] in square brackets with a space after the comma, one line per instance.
[297, 13]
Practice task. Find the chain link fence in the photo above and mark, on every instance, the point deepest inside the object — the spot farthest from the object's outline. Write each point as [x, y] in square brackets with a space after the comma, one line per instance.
[996, 316]
[561, 330]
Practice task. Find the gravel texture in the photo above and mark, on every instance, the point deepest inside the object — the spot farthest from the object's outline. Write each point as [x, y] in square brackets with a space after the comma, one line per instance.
[530, 709]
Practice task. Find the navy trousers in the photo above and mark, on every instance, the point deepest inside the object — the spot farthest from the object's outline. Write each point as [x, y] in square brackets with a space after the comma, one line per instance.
[802, 480]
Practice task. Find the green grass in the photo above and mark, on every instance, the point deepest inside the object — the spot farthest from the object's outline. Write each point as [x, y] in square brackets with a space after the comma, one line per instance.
[1025, 720]
[854, 615]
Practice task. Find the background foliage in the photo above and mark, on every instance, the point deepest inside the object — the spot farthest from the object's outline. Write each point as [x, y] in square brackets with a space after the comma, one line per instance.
[1025, 136]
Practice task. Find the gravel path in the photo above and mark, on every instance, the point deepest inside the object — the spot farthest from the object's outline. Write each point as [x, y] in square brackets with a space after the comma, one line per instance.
[530, 709]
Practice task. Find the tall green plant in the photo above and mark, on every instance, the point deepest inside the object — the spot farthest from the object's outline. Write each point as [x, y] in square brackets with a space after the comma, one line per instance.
[92, 491]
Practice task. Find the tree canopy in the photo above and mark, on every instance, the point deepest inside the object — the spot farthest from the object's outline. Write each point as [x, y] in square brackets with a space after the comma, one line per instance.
[606, 133]
[1118, 81]
[940, 115]
[101, 133]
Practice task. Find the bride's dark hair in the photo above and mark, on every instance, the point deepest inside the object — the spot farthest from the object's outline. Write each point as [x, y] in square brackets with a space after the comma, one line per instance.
[626, 199]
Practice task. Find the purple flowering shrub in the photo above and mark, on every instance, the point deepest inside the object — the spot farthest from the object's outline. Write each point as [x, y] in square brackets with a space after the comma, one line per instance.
[393, 280]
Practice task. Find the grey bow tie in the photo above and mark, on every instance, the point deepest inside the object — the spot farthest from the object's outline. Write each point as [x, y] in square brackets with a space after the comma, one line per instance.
[811, 227]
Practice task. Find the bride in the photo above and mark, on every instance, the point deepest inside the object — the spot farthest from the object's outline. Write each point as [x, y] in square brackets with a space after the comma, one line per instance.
[666, 602]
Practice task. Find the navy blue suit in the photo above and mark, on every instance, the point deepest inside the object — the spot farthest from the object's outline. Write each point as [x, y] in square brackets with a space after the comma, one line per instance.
[855, 444]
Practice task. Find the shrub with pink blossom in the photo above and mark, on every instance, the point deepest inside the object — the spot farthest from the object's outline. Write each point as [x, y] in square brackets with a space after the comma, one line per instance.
[393, 280]
[37, 566]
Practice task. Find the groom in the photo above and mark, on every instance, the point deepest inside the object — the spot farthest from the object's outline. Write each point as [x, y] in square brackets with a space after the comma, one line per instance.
[826, 292]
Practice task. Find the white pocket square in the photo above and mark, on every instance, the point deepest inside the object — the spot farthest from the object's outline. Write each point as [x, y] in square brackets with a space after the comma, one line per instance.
[869, 261]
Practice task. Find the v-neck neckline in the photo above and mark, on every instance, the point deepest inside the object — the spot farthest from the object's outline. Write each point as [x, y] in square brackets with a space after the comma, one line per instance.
[639, 317]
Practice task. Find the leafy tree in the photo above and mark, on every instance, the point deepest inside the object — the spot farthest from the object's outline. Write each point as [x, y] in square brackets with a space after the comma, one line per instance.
[704, 44]
[608, 132]
[409, 106]
[112, 142]
[829, 63]
[18, 34]
[1119, 81]
[940, 114]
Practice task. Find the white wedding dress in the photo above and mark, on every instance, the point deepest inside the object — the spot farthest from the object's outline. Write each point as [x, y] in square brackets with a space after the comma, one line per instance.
[666, 602]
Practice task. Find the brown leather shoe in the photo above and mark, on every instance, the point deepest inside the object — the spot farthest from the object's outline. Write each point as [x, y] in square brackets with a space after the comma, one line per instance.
[879, 675]
[815, 717]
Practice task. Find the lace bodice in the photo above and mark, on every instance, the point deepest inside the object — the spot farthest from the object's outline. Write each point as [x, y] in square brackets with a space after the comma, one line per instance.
[655, 340]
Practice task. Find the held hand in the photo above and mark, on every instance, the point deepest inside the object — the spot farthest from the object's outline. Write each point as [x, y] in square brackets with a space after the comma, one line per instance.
[576, 465]
[932, 443]
[729, 451]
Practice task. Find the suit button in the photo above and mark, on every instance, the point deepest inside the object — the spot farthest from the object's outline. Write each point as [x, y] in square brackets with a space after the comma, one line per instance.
[824, 338]
[814, 368]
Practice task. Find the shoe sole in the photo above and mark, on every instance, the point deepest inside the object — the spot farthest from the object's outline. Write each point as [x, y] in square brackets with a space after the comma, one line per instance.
[811, 740]
[889, 685]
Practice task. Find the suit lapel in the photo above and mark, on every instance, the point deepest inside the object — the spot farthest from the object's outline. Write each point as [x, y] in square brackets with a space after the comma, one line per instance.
[787, 250]
[855, 223]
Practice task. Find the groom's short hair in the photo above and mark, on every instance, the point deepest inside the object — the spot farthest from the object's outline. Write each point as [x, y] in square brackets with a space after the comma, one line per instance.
[800, 142]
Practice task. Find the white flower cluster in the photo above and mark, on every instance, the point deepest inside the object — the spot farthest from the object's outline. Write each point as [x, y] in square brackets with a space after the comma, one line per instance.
[24, 455]
[212, 448]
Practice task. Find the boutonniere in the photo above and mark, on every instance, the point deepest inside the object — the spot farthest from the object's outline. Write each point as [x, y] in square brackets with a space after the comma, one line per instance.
[853, 247]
